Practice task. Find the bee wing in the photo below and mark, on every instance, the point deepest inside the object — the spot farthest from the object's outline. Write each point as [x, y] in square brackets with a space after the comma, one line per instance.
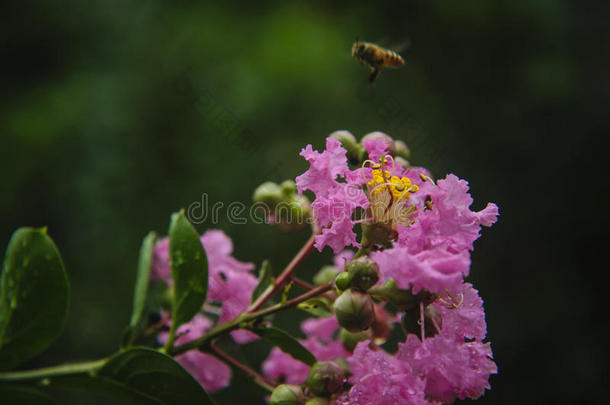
[401, 46]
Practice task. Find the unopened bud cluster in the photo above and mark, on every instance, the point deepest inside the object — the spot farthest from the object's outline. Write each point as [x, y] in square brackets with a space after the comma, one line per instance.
[283, 205]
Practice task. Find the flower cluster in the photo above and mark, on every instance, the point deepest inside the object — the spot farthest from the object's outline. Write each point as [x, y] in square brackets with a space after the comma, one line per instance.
[417, 237]
[414, 237]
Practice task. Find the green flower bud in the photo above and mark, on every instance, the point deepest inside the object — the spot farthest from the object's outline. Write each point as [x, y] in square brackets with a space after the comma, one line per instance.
[363, 273]
[292, 214]
[342, 280]
[348, 141]
[385, 137]
[341, 362]
[402, 162]
[354, 310]
[268, 193]
[288, 188]
[325, 378]
[349, 340]
[402, 150]
[285, 394]
[325, 274]
[318, 401]
[389, 291]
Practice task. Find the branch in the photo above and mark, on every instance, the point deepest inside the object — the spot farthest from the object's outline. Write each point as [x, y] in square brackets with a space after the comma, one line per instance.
[258, 378]
[284, 277]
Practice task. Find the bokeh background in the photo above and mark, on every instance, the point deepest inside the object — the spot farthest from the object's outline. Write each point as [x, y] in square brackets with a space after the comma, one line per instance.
[113, 114]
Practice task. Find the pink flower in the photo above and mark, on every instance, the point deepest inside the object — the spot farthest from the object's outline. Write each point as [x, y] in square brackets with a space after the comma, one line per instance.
[379, 378]
[335, 200]
[448, 221]
[319, 342]
[434, 270]
[433, 252]
[451, 369]
[159, 268]
[462, 313]
[211, 373]
[376, 147]
[229, 280]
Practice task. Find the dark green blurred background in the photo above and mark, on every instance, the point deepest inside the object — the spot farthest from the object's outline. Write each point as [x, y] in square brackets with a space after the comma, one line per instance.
[113, 114]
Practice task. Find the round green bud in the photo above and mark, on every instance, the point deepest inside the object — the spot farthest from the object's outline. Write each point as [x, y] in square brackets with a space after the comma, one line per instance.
[389, 291]
[402, 162]
[286, 394]
[268, 193]
[342, 280]
[363, 273]
[318, 401]
[341, 362]
[402, 150]
[325, 274]
[385, 137]
[288, 188]
[292, 214]
[349, 340]
[348, 141]
[325, 378]
[354, 311]
[345, 137]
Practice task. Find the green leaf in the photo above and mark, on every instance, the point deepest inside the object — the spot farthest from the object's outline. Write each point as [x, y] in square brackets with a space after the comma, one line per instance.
[318, 306]
[189, 268]
[286, 343]
[104, 387]
[151, 373]
[16, 394]
[34, 295]
[140, 376]
[143, 277]
[141, 287]
[265, 280]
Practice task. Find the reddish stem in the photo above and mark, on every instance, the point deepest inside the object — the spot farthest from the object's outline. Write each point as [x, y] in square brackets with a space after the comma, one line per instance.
[284, 277]
[259, 378]
[301, 283]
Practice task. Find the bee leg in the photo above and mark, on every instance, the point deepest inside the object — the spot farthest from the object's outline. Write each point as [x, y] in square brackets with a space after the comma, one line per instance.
[374, 75]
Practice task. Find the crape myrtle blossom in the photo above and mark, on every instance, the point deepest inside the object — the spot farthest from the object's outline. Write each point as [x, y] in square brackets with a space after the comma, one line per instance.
[338, 193]
[437, 369]
[230, 281]
[451, 369]
[433, 253]
[379, 378]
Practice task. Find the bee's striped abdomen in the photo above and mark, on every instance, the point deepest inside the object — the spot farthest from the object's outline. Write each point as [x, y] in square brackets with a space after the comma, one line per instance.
[393, 59]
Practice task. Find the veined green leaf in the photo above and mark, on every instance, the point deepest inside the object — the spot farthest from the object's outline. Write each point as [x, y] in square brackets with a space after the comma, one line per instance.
[318, 306]
[140, 376]
[189, 269]
[34, 296]
[286, 343]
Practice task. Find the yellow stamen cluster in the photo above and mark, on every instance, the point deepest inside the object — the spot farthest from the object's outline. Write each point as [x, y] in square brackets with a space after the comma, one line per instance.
[400, 187]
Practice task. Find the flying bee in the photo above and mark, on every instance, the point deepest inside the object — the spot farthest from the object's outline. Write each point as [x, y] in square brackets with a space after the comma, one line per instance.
[375, 57]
